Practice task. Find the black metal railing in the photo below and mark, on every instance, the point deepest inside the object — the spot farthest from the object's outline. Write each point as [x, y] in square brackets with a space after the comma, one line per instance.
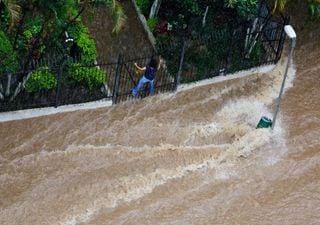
[230, 48]
[185, 60]
[128, 77]
[120, 78]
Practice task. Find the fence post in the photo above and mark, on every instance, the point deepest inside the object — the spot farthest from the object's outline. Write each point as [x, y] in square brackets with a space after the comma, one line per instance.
[228, 58]
[116, 84]
[178, 78]
[282, 39]
[59, 82]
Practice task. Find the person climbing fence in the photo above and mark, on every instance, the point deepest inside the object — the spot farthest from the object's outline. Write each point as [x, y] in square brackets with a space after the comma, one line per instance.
[150, 71]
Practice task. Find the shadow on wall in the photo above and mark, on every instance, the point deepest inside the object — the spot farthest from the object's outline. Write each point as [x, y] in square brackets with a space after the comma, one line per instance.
[131, 42]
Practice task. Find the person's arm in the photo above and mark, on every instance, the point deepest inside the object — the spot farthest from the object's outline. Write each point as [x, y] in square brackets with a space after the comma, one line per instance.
[139, 68]
[160, 60]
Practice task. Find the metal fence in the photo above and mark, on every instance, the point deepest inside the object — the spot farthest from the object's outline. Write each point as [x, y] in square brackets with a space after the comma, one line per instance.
[220, 51]
[126, 77]
[202, 56]
[120, 78]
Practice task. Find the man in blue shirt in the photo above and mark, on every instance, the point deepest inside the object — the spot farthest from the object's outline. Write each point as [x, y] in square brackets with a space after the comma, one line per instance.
[148, 77]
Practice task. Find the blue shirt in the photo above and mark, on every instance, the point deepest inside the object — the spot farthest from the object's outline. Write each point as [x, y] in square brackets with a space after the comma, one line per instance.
[150, 72]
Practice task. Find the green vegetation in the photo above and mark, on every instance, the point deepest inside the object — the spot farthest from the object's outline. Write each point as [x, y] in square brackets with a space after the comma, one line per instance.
[31, 30]
[11, 10]
[91, 77]
[191, 6]
[143, 5]
[214, 34]
[313, 5]
[314, 9]
[152, 22]
[8, 59]
[244, 8]
[80, 33]
[37, 29]
[41, 79]
[34, 30]
[118, 17]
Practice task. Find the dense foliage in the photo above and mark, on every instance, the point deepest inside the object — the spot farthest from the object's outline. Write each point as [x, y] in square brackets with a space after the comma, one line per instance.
[244, 8]
[314, 9]
[41, 79]
[198, 22]
[144, 5]
[191, 6]
[91, 77]
[152, 22]
[8, 60]
[33, 31]
[36, 28]
[80, 33]
[214, 30]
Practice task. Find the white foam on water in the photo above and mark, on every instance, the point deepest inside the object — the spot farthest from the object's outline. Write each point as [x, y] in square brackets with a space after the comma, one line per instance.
[235, 121]
[131, 188]
[82, 218]
[32, 113]
[240, 74]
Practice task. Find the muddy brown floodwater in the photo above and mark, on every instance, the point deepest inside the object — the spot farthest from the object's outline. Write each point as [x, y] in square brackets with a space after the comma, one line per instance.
[193, 157]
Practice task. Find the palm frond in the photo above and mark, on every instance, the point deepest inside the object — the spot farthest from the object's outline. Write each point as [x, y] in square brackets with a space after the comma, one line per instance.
[118, 16]
[116, 9]
[279, 5]
[14, 10]
[314, 9]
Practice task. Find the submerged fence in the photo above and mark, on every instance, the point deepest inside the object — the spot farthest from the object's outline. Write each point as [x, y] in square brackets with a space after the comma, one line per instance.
[189, 59]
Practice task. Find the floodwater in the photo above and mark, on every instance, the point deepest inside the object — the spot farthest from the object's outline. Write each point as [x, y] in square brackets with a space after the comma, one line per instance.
[193, 157]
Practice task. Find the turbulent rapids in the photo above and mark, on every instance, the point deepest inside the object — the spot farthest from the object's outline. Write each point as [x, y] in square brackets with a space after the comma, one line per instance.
[169, 159]
[190, 157]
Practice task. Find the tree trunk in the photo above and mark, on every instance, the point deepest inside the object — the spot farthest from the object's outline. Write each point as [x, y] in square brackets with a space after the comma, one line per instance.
[21, 86]
[19, 30]
[205, 17]
[8, 85]
[1, 92]
[16, 92]
[254, 41]
[155, 8]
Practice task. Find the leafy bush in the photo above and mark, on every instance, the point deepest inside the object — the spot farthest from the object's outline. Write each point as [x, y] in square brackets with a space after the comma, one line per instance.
[256, 52]
[31, 30]
[80, 34]
[191, 6]
[314, 9]
[4, 19]
[101, 2]
[32, 27]
[91, 77]
[152, 23]
[143, 5]
[41, 79]
[244, 8]
[8, 59]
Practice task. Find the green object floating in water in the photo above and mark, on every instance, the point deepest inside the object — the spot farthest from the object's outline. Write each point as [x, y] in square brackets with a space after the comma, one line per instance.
[264, 122]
